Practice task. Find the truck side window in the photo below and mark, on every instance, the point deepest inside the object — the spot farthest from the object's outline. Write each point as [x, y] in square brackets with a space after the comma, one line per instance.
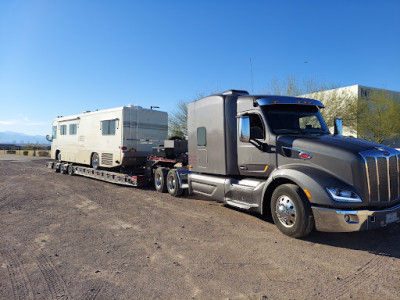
[256, 127]
[63, 129]
[201, 136]
[72, 129]
[54, 135]
[108, 127]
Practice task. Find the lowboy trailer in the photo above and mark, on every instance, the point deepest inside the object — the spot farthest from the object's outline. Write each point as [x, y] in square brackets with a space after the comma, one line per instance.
[267, 154]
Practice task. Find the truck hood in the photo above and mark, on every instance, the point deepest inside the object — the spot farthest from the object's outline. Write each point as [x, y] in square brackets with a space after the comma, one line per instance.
[326, 143]
[336, 155]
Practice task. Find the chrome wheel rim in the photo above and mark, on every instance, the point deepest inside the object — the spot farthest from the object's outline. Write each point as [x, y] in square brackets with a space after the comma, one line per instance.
[158, 179]
[95, 161]
[285, 210]
[171, 183]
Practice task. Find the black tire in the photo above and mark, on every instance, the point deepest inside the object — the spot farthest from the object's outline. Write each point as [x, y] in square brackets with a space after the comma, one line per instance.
[70, 170]
[58, 155]
[95, 161]
[63, 169]
[56, 167]
[173, 184]
[160, 182]
[291, 211]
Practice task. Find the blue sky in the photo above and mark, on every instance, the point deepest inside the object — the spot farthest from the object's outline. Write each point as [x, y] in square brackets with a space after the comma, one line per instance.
[63, 57]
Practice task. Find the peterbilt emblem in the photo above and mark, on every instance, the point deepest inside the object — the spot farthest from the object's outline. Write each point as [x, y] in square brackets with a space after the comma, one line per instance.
[384, 152]
[305, 155]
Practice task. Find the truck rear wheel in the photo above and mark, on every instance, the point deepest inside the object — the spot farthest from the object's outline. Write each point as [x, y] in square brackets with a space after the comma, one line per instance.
[291, 211]
[173, 184]
[160, 176]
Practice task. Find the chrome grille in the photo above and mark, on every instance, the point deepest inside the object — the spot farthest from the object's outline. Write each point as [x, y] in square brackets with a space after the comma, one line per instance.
[382, 174]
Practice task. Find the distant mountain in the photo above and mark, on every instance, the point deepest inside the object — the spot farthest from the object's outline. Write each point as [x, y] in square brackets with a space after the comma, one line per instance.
[9, 137]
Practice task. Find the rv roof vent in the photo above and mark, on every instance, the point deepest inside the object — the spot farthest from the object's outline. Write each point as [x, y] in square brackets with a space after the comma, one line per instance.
[86, 111]
[235, 92]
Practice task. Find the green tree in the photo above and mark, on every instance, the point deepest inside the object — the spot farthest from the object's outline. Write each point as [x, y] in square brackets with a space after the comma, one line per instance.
[378, 117]
[177, 121]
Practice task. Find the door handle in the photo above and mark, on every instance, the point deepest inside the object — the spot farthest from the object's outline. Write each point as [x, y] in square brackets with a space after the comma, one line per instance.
[243, 168]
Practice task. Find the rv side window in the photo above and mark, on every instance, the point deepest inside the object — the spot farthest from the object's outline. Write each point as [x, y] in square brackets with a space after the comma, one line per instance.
[63, 129]
[72, 129]
[54, 135]
[108, 127]
[201, 136]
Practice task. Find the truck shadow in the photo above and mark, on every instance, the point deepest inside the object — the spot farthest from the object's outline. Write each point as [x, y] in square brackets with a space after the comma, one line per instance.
[383, 241]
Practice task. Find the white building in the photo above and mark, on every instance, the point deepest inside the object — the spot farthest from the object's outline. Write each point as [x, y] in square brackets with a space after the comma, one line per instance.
[347, 94]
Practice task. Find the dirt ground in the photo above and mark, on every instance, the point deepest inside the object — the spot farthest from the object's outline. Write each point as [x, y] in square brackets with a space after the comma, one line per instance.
[70, 237]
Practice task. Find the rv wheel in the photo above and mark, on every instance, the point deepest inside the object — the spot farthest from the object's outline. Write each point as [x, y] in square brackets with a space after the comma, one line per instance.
[173, 184]
[95, 161]
[160, 176]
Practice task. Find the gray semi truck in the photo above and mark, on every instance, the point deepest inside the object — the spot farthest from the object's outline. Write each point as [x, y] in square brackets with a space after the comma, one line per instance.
[273, 155]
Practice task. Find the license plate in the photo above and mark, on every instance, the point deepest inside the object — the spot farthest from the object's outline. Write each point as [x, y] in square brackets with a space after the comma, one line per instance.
[391, 217]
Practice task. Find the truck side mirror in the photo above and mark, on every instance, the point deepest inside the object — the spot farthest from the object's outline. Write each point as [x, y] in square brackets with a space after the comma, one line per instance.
[244, 129]
[338, 129]
[48, 138]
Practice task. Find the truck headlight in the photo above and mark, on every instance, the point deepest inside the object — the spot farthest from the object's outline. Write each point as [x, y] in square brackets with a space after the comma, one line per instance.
[341, 195]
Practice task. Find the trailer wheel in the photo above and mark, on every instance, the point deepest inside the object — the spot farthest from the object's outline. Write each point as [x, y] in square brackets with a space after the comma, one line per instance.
[291, 211]
[70, 170]
[56, 167]
[173, 184]
[160, 176]
[63, 169]
[95, 161]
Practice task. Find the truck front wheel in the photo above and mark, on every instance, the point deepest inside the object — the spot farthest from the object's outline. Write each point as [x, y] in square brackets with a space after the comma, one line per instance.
[160, 179]
[291, 211]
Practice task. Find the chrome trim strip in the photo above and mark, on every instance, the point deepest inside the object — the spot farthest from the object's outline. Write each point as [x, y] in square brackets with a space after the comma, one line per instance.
[388, 178]
[398, 175]
[377, 178]
[368, 183]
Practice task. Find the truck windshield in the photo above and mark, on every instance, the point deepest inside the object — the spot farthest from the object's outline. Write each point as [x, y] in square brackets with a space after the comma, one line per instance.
[289, 119]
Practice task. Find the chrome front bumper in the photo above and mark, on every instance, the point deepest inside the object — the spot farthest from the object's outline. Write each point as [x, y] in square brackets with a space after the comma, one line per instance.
[336, 220]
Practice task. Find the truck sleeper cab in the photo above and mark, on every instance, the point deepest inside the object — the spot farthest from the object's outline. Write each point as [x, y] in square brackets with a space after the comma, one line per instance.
[275, 154]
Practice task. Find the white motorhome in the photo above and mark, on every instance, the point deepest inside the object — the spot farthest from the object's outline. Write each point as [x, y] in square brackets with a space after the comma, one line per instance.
[122, 136]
